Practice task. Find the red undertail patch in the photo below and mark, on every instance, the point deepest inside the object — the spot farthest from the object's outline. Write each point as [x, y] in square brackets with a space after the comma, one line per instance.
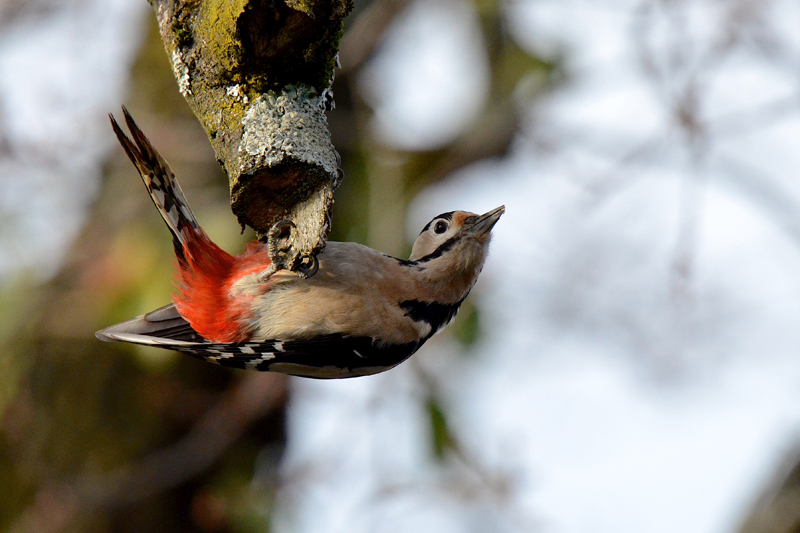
[204, 282]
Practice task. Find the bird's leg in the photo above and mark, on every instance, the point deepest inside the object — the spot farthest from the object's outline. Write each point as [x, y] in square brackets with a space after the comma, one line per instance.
[279, 242]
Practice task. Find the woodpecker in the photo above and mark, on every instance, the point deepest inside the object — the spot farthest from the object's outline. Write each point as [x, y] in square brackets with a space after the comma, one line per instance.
[358, 312]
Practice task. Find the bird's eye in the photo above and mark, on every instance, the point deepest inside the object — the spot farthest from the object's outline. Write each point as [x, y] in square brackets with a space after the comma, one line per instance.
[440, 227]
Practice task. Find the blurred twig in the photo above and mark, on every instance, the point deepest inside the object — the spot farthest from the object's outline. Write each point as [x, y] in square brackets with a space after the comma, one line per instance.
[364, 35]
[57, 502]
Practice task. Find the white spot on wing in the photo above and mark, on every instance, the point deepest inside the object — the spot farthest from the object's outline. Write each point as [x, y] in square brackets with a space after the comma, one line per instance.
[253, 364]
[424, 329]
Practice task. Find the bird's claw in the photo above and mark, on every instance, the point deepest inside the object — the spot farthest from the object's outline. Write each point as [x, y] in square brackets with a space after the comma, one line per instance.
[280, 238]
[279, 245]
[308, 266]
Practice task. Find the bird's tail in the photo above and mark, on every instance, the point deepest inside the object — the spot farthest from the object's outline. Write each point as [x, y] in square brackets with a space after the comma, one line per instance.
[203, 267]
[164, 189]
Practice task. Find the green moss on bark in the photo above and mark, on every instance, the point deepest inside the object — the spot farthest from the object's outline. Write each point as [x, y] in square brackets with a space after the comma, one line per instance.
[229, 54]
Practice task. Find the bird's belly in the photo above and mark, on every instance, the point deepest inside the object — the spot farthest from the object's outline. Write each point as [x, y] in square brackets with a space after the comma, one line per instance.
[303, 311]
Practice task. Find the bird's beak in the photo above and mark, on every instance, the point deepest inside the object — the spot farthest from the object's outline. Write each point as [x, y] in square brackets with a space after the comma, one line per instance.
[484, 223]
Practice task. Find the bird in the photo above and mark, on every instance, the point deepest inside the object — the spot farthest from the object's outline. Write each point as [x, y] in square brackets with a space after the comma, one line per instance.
[358, 312]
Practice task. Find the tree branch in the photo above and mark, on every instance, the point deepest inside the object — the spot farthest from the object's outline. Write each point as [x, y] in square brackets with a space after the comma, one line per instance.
[257, 74]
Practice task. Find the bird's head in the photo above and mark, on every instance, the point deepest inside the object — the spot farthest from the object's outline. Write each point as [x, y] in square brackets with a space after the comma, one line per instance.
[456, 243]
[454, 229]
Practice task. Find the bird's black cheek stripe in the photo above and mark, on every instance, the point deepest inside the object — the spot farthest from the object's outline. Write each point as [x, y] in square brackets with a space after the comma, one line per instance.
[445, 246]
[438, 252]
[434, 314]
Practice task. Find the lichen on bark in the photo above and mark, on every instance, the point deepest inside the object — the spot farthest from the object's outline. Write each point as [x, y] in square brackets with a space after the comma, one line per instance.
[257, 74]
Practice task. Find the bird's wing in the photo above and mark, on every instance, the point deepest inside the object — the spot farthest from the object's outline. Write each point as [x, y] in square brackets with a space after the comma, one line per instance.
[163, 326]
[322, 357]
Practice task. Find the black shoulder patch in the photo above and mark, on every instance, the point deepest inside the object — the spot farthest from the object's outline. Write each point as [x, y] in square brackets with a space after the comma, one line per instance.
[435, 314]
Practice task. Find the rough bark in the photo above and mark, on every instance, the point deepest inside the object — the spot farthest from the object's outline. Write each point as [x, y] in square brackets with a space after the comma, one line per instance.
[257, 74]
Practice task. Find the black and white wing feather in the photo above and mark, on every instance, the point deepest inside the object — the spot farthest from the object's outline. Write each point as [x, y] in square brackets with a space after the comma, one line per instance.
[323, 357]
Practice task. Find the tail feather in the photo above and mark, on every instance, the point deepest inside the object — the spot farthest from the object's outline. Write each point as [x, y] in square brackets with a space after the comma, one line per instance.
[161, 326]
[204, 304]
[164, 189]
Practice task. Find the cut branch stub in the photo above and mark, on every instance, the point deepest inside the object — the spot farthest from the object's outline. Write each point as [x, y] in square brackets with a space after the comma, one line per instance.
[257, 74]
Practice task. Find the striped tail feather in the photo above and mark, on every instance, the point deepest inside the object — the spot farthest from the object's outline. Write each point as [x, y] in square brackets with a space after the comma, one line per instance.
[203, 267]
[164, 189]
